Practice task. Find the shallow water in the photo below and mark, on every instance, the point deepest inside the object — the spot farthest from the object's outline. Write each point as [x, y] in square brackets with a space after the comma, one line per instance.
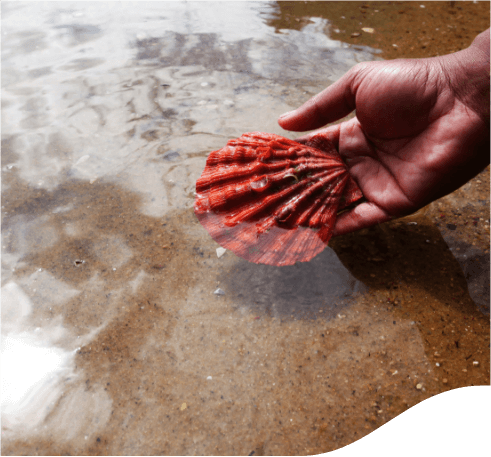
[113, 340]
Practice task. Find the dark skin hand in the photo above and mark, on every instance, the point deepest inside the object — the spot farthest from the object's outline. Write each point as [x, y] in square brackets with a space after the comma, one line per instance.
[421, 129]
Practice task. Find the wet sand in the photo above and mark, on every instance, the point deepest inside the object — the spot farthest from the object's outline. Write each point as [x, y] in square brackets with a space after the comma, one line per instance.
[437, 29]
[118, 275]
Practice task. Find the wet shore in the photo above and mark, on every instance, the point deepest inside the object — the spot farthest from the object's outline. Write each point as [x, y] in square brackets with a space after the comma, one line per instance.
[400, 29]
[108, 279]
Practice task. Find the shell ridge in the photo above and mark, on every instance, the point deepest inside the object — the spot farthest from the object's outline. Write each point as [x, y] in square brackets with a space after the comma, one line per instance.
[296, 201]
[249, 212]
[328, 188]
[288, 209]
[318, 219]
[225, 194]
[234, 174]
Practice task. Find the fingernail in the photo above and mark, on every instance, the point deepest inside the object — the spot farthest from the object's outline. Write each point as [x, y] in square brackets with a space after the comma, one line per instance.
[286, 114]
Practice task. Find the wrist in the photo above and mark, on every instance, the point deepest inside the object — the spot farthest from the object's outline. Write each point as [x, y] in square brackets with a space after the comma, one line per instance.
[481, 42]
[467, 74]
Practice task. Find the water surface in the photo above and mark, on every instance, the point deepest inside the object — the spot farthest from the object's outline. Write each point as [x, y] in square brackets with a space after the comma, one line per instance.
[113, 340]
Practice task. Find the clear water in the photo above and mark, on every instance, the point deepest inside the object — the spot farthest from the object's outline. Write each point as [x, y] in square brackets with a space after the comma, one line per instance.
[113, 340]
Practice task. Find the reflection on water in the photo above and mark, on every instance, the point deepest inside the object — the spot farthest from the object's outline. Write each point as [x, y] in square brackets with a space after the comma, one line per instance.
[112, 338]
[31, 365]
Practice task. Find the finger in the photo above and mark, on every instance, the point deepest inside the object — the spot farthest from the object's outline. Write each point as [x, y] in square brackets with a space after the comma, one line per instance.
[331, 133]
[333, 103]
[362, 216]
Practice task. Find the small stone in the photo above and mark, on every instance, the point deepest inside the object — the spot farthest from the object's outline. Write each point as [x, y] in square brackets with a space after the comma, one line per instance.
[419, 386]
[475, 363]
[220, 252]
[368, 29]
[209, 378]
[183, 407]
[219, 292]
[444, 380]
[355, 34]
[171, 155]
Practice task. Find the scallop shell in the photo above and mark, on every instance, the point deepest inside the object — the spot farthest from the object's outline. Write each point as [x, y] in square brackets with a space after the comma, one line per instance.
[272, 200]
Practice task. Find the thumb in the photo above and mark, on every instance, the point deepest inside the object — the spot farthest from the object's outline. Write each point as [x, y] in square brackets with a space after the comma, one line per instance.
[333, 103]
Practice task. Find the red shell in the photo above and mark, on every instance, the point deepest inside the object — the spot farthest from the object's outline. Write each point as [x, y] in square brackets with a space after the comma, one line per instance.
[272, 200]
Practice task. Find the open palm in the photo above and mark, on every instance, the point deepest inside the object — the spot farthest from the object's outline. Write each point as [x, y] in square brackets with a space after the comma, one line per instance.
[413, 140]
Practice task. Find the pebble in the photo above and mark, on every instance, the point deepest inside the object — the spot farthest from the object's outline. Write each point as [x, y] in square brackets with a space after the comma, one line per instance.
[419, 386]
[219, 292]
[220, 252]
[355, 34]
[171, 155]
[475, 363]
[368, 29]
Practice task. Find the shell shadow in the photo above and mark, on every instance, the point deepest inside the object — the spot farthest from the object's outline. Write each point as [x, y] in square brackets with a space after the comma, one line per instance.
[322, 287]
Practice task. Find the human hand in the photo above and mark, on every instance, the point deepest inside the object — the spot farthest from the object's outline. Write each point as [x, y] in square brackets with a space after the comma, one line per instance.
[421, 129]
